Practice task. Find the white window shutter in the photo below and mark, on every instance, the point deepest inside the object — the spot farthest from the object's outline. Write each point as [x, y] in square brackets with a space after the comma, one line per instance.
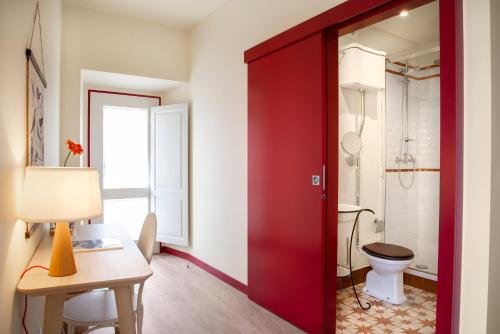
[169, 172]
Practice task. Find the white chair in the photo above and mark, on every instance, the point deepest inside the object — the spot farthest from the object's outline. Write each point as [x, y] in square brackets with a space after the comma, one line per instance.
[97, 309]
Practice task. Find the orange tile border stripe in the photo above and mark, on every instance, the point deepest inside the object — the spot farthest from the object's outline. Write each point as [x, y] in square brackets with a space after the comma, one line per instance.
[400, 74]
[413, 77]
[430, 77]
[405, 170]
[428, 67]
[414, 67]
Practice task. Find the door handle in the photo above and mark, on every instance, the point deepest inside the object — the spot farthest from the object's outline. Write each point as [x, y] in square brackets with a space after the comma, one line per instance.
[324, 177]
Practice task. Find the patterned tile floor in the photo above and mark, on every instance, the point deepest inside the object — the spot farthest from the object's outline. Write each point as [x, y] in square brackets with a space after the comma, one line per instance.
[416, 316]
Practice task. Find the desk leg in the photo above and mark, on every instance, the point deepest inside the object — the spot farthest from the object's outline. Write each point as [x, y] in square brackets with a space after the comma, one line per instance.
[52, 319]
[126, 317]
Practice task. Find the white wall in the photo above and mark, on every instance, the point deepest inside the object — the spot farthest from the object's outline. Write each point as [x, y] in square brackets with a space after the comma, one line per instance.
[111, 43]
[494, 274]
[15, 251]
[477, 167]
[218, 87]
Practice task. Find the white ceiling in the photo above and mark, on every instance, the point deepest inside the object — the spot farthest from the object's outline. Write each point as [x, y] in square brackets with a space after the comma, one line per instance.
[404, 37]
[172, 13]
[421, 26]
[125, 81]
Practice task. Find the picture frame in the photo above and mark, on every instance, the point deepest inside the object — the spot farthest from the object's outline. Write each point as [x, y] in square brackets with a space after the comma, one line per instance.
[35, 101]
[35, 111]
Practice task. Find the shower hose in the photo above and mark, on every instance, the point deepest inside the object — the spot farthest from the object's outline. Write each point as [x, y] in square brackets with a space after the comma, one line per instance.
[350, 259]
[412, 160]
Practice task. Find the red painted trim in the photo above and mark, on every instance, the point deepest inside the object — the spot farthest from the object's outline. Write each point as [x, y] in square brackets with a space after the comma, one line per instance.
[88, 129]
[339, 15]
[89, 93]
[329, 300]
[208, 268]
[127, 94]
[319, 22]
[451, 165]
[331, 222]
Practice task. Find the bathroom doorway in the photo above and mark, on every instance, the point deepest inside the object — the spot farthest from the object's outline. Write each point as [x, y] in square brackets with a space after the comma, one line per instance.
[306, 57]
[393, 203]
[389, 154]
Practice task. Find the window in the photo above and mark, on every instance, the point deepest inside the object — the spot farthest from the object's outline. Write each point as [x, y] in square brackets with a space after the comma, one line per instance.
[125, 148]
[126, 166]
[141, 152]
[119, 148]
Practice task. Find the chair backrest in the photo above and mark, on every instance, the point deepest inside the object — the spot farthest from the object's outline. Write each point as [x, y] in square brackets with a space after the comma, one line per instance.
[147, 237]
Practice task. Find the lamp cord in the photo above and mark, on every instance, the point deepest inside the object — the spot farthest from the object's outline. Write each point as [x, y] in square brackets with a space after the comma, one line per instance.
[26, 296]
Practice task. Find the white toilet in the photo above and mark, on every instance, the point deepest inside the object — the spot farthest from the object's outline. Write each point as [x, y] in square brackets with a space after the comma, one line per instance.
[385, 280]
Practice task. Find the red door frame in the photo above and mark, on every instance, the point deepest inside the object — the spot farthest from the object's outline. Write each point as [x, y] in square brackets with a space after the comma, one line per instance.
[352, 15]
[89, 97]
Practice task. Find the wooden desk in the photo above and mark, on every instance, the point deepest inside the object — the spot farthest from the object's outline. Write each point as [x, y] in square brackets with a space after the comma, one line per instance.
[116, 269]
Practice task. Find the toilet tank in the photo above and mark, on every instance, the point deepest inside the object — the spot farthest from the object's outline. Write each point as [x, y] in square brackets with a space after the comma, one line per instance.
[361, 67]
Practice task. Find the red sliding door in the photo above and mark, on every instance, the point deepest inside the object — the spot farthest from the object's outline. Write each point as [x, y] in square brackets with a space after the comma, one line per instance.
[286, 211]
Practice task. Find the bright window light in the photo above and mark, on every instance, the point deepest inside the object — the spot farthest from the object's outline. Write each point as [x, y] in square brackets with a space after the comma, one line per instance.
[128, 212]
[125, 148]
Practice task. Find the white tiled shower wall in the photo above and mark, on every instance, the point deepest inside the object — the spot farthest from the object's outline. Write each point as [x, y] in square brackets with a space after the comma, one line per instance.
[412, 216]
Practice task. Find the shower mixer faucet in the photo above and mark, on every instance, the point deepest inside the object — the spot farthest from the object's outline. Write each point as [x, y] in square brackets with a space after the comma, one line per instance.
[407, 158]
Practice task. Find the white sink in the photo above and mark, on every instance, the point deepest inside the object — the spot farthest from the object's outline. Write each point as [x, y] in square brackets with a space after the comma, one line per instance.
[346, 217]
[347, 212]
[348, 208]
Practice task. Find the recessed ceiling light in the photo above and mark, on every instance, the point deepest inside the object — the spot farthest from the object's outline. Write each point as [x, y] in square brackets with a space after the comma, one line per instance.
[403, 13]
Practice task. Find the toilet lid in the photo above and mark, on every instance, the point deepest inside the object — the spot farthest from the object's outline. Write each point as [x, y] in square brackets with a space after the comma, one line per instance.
[388, 251]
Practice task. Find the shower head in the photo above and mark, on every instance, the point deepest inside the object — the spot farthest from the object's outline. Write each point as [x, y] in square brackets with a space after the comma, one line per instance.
[408, 69]
[414, 69]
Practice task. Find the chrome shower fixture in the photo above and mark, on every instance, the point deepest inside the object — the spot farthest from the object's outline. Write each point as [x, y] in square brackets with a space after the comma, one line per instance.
[405, 157]
[351, 160]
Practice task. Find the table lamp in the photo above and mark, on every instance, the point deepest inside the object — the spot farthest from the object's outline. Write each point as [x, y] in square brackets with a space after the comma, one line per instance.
[60, 195]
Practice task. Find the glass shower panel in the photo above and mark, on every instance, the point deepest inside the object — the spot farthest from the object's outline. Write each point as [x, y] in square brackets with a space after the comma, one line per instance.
[412, 161]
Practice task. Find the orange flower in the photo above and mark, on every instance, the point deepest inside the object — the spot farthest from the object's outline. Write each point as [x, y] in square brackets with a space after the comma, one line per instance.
[75, 148]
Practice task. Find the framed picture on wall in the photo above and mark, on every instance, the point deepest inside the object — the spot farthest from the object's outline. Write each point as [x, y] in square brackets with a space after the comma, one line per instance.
[35, 112]
[36, 86]
[36, 89]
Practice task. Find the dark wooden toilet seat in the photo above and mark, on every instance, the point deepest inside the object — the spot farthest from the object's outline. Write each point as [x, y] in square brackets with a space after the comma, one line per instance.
[388, 251]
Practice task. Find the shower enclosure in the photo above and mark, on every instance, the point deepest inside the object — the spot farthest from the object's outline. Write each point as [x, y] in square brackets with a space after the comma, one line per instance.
[412, 135]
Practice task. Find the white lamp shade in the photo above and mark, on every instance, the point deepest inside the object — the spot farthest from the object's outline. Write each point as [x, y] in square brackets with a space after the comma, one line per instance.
[60, 194]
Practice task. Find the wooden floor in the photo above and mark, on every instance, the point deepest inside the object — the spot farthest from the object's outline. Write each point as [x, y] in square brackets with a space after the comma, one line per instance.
[181, 298]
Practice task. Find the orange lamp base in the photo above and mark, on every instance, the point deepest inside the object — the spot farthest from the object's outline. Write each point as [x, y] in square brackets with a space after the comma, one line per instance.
[62, 260]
